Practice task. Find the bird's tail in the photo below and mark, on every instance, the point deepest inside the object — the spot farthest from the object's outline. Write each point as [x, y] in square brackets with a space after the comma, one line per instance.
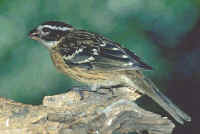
[152, 91]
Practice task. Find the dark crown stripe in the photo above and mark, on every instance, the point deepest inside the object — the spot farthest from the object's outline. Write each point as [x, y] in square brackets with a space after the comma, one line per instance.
[57, 23]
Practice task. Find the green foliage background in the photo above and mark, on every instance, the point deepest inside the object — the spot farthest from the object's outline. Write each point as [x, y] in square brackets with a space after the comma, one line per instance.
[152, 29]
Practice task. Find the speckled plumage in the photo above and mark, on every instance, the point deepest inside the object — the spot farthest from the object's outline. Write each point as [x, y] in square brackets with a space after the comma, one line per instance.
[99, 62]
[93, 51]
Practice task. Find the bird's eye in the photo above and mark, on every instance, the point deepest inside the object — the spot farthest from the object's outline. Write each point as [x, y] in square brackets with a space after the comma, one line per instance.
[46, 29]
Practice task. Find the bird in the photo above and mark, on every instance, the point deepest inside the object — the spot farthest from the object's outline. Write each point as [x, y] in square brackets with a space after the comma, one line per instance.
[97, 61]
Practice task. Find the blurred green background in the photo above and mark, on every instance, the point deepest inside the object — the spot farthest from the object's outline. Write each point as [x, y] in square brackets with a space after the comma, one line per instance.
[164, 33]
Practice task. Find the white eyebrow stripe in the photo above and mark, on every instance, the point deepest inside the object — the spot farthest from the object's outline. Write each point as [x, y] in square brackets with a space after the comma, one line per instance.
[57, 28]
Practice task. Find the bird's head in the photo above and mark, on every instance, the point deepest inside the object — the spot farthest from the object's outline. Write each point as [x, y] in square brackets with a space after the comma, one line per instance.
[50, 33]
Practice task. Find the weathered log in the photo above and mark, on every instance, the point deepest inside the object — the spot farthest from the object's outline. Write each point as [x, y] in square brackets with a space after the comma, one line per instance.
[97, 113]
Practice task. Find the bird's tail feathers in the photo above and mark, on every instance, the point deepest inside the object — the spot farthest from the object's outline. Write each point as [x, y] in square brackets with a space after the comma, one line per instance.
[146, 86]
[165, 103]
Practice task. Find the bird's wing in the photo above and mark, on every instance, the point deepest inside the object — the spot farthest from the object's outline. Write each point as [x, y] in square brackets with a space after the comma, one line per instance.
[92, 51]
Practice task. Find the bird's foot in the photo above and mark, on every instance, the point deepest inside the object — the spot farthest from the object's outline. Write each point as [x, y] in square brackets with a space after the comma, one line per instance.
[112, 88]
[81, 89]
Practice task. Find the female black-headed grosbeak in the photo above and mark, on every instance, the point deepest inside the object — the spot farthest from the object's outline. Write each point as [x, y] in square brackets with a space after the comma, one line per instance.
[99, 62]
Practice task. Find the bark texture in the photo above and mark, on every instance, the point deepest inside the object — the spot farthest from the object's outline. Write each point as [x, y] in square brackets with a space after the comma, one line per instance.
[97, 113]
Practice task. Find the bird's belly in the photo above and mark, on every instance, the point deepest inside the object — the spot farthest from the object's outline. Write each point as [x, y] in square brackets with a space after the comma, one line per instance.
[80, 74]
[86, 76]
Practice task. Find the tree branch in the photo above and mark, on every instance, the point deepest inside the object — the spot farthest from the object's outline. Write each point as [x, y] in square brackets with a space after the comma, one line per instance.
[95, 114]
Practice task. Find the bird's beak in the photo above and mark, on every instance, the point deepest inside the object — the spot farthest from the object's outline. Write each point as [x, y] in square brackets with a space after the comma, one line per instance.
[34, 34]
